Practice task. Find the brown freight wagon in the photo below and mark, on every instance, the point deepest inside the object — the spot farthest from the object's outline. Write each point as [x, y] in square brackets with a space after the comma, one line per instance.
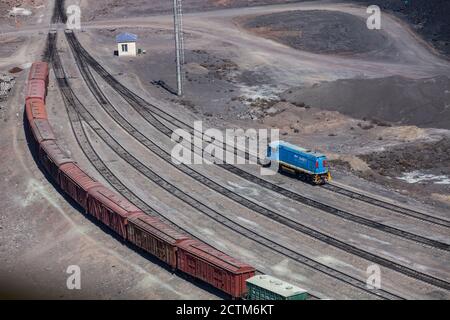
[52, 158]
[35, 109]
[41, 131]
[76, 183]
[36, 89]
[110, 208]
[214, 267]
[39, 71]
[155, 237]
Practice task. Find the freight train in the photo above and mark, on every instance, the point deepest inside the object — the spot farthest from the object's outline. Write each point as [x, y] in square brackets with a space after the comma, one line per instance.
[305, 164]
[178, 251]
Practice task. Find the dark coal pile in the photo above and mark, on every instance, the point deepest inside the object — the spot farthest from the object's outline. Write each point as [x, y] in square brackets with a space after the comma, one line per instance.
[430, 18]
[318, 31]
[424, 103]
[407, 158]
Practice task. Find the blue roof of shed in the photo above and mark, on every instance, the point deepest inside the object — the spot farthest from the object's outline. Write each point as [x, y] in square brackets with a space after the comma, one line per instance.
[126, 37]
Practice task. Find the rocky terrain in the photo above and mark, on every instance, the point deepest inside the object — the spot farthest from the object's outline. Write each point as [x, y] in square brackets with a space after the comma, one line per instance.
[407, 158]
[414, 168]
[6, 84]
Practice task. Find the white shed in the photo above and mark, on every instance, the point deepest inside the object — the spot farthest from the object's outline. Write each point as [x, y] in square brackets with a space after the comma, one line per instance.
[126, 44]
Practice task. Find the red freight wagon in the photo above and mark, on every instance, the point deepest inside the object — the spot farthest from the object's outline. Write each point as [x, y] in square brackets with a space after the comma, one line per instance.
[39, 71]
[36, 89]
[41, 131]
[35, 109]
[110, 208]
[214, 267]
[52, 157]
[155, 237]
[76, 183]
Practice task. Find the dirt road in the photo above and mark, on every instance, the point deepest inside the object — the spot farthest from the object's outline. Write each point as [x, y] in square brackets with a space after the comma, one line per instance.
[406, 56]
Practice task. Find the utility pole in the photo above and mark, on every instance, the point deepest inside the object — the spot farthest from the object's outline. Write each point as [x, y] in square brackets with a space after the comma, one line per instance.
[179, 43]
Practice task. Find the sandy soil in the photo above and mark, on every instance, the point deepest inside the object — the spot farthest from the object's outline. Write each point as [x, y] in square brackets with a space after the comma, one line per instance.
[10, 45]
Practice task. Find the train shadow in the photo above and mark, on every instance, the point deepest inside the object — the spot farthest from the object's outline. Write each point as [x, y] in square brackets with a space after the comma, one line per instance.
[163, 85]
[34, 153]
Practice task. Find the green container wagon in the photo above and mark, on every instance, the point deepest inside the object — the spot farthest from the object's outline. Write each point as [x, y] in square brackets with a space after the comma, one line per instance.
[264, 287]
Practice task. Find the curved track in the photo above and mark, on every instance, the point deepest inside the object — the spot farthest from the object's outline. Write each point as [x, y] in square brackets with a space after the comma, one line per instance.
[359, 195]
[211, 184]
[143, 107]
[140, 106]
[78, 113]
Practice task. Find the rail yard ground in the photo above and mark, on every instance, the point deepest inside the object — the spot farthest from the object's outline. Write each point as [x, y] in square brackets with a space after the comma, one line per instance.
[376, 102]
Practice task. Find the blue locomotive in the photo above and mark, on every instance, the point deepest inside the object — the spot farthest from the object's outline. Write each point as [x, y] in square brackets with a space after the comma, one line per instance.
[307, 165]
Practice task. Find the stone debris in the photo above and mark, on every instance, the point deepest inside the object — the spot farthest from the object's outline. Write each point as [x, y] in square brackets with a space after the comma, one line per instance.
[7, 82]
[260, 108]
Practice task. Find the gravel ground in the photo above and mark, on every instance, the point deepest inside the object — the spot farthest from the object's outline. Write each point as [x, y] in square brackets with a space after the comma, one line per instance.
[9, 44]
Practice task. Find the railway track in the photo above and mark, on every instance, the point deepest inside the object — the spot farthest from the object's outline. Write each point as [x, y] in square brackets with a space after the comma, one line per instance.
[59, 13]
[70, 100]
[103, 101]
[137, 103]
[387, 205]
[177, 123]
[78, 113]
[143, 106]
